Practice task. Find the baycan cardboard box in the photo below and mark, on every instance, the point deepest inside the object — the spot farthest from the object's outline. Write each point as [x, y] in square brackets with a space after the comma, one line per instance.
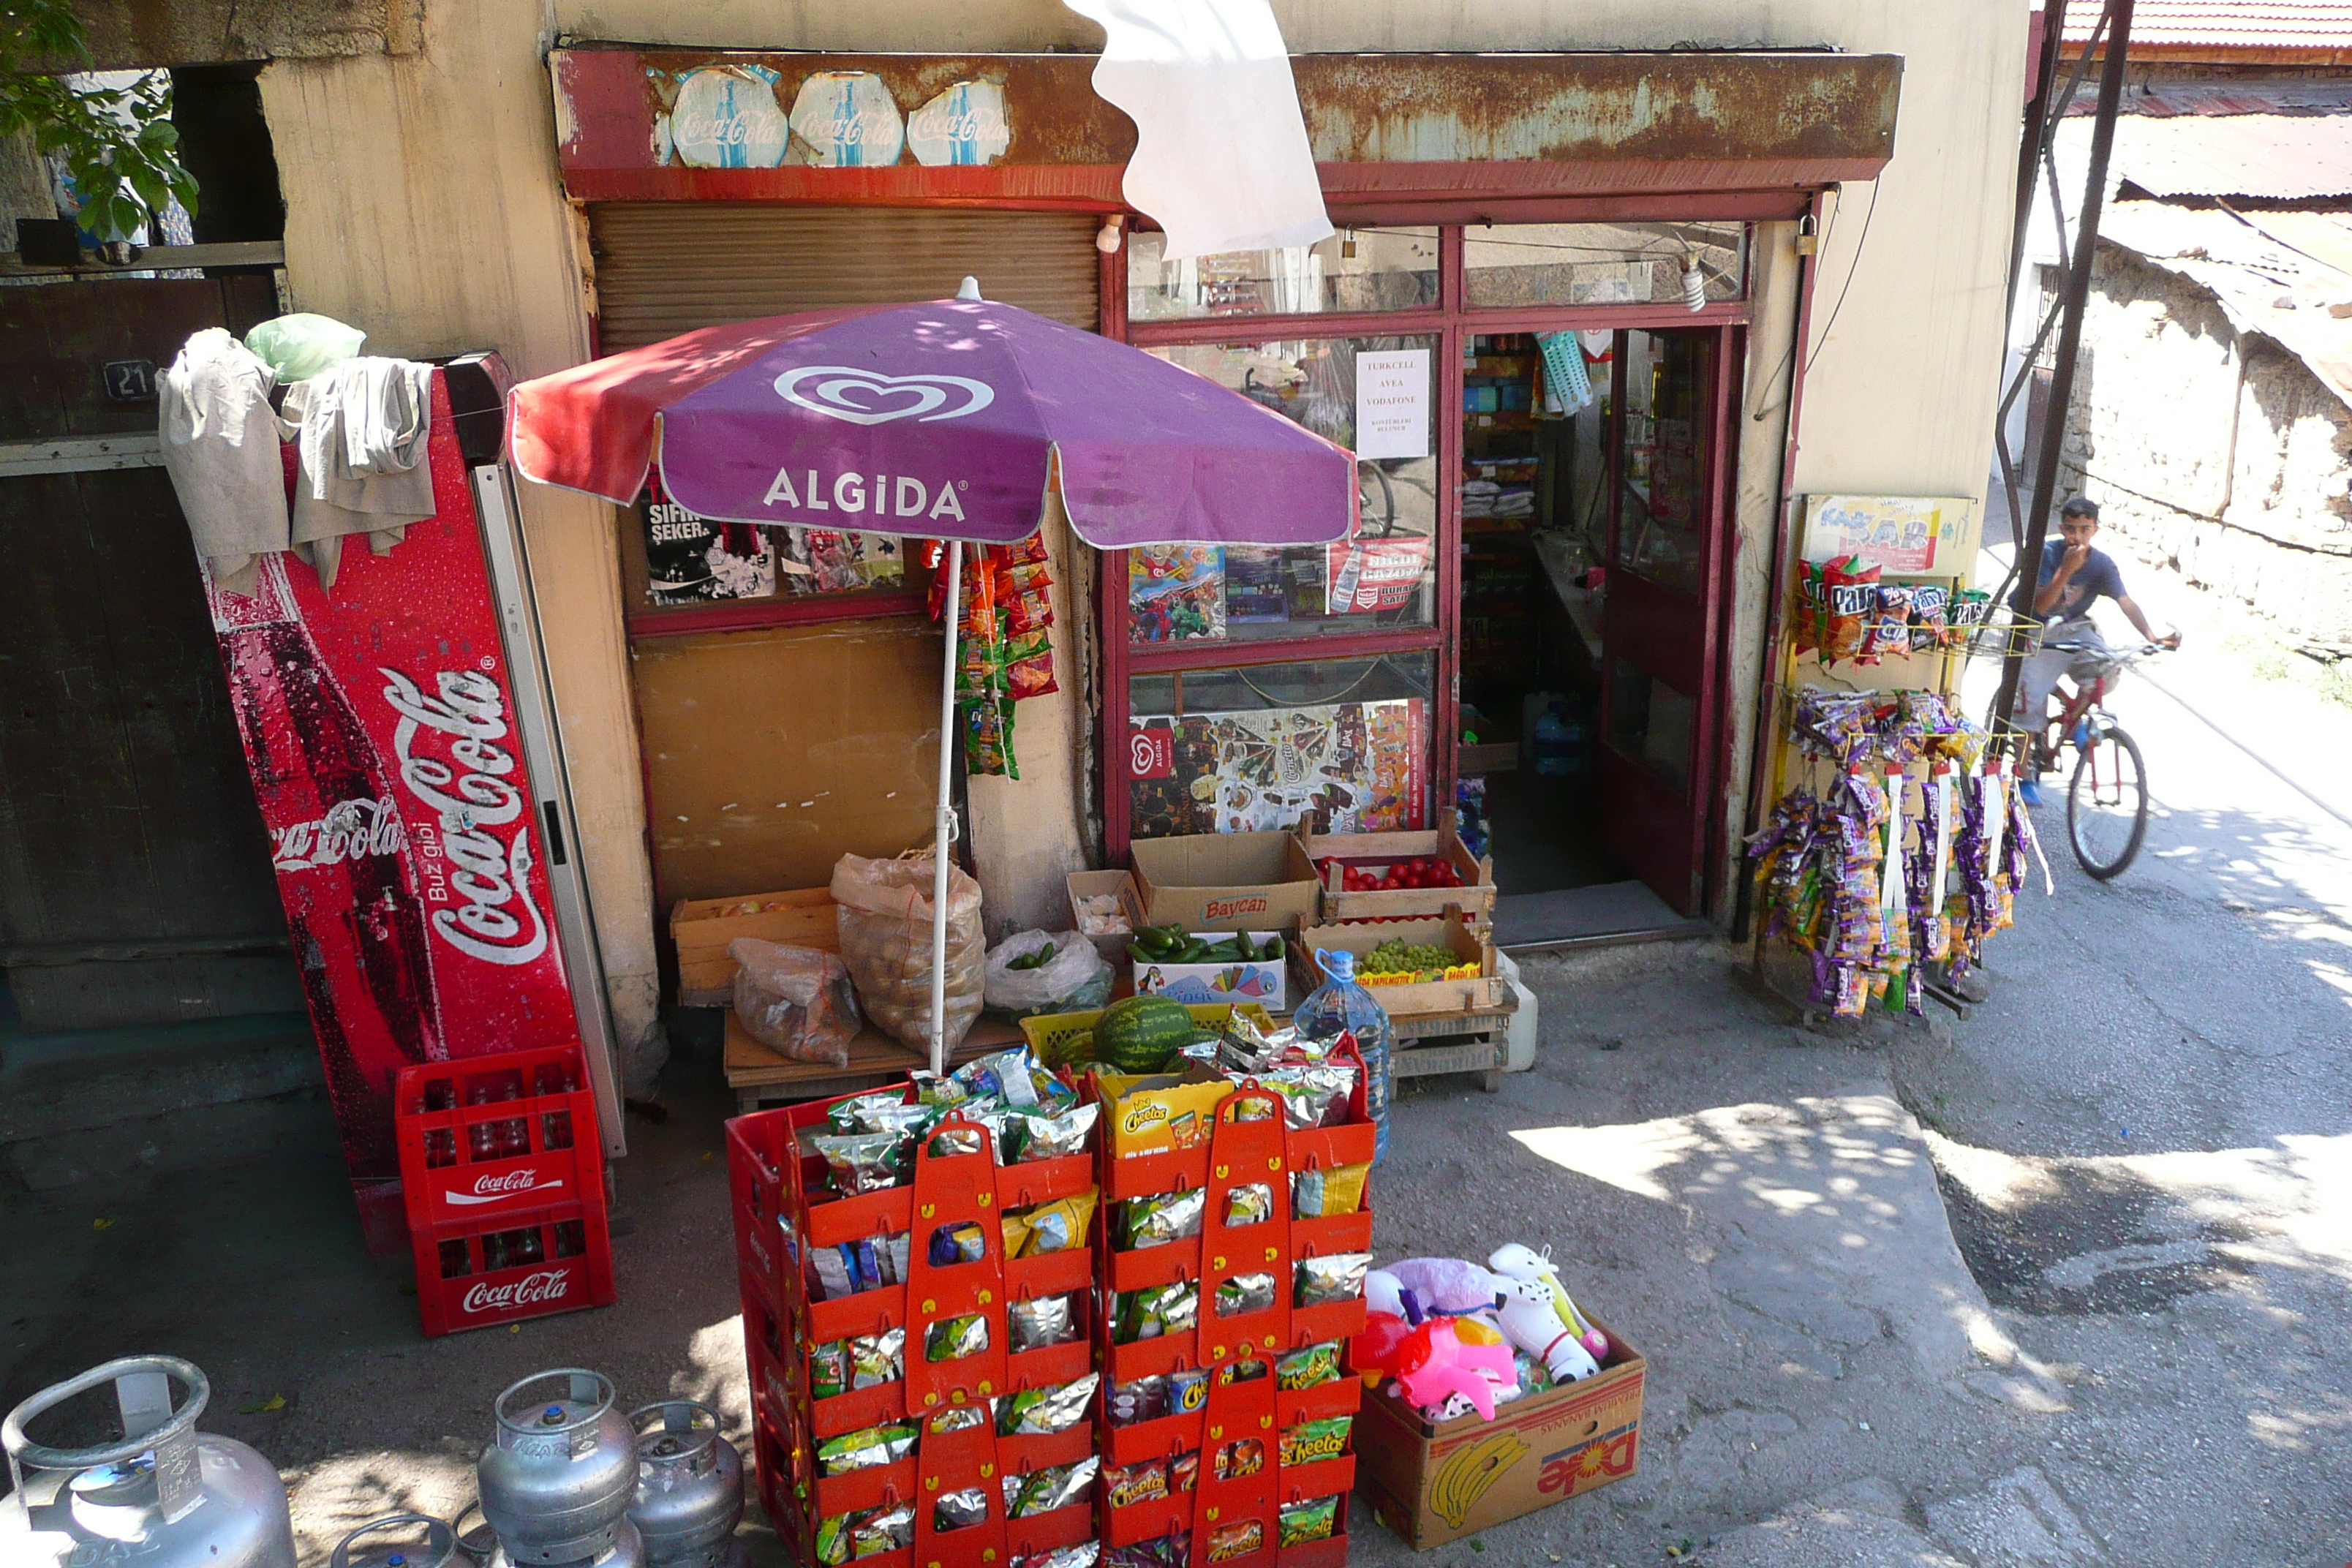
[1224, 881]
[1435, 1483]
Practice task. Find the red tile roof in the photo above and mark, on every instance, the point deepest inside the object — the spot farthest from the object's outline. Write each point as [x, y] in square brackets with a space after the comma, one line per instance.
[2225, 24]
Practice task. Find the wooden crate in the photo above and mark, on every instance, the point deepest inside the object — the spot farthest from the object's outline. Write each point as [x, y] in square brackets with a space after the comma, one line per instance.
[761, 1075]
[1335, 903]
[702, 928]
[1487, 992]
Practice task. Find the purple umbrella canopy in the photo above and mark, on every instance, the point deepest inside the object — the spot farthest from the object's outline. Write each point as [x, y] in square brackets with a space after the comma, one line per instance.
[944, 420]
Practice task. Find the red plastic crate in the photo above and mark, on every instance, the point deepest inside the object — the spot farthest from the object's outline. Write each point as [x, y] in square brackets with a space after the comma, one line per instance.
[496, 1136]
[783, 1209]
[468, 1275]
[502, 1175]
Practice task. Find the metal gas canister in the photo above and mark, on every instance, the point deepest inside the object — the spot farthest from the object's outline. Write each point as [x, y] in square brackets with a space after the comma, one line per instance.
[689, 1485]
[401, 1540]
[166, 1496]
[557, 1480]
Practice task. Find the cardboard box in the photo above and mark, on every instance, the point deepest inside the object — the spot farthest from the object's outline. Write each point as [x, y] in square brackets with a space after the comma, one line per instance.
[1329, 853]
[1224, 881]
[1487, 757]
[703, 927]
[1421, 999]
[1093, 884]
[1435, 1483]
[1195, 985]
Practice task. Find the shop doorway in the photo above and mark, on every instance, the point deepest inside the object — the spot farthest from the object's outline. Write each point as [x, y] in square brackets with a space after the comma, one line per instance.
[1590, 549]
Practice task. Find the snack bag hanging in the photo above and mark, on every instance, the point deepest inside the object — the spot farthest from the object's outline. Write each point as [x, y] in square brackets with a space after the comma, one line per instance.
[1851, 592]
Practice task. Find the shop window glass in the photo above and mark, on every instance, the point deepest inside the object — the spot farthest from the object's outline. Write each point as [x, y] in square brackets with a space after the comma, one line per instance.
[1375, 396]
[1652, 722]
[1663, 524]
[1343, 744]
[677, 560]
[1361, 269]
[1601, 263]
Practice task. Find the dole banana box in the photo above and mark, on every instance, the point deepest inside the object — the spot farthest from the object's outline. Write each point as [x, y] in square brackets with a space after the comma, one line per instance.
[1434, 1482]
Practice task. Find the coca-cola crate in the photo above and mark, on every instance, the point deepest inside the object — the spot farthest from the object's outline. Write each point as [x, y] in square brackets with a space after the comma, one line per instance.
[498, 1136]
[476, 1276]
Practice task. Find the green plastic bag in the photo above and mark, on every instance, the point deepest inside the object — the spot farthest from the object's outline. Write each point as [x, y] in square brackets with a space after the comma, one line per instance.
[299, 346]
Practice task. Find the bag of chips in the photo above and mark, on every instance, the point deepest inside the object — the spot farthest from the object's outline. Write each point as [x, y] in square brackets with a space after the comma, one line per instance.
[1241, 1538]
[1085, 1554]
[1188, 1390]
[1805, 630]
[1045, 1491]
[1042, 1412]
[952, 1338]
[1338, 1278]
[1247, 1293]
[1299, 1523]
[1146, 1482]
[960, 1510]
[1251, 1205]
[1145, 1399]
[1311, 1367]
[866, 1161]
[1156, 1219]
[1173, 1549]
[1157, 1309]
[864, 1449]
[865, 1533]
[1240, 1459]
[1888, 629]
[1927, 616]
[1039, 1322]
[1035, 1135]
[964, 1242]
[1048, 1228]
[1851, 593]
[1311, 1442]
[1321, 1192]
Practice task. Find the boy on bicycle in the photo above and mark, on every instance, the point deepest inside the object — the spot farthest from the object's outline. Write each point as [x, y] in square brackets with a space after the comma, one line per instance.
[2074, 576]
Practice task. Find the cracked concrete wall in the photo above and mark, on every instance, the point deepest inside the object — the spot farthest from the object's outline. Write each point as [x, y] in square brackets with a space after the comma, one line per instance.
[2212, 452]
[127, 33]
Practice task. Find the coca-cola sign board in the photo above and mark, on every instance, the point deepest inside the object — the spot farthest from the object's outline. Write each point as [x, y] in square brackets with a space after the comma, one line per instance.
[379, 725]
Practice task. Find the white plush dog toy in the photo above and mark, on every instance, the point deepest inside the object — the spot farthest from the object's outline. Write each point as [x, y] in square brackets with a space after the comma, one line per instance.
[1530, 1324]
[1530, 1267]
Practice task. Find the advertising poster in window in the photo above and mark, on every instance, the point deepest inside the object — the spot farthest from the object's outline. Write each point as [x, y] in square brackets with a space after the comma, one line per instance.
[1176, 592]
[691, 559]
[1347, 767]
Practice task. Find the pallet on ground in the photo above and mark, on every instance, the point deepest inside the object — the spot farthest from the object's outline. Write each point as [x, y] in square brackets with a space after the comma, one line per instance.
[1482, 1057]
[761, 1075]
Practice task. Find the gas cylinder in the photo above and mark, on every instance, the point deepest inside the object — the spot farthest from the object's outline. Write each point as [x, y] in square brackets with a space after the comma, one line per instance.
[557, 1482]
[437, 1550]
[627, 1550]
[166, 1496]
[689, 1485]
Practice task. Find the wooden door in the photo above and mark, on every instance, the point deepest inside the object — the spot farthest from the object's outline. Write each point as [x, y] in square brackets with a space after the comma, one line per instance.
[1660, 619]
[135, 884]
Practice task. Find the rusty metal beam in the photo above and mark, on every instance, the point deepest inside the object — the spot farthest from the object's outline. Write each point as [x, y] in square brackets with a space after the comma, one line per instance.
[1387, 130]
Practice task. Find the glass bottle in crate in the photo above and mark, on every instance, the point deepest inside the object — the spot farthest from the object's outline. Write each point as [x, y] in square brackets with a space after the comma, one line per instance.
[1341, 1006]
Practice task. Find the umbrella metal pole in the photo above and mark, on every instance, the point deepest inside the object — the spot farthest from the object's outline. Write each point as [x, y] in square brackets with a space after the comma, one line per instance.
[943, 823]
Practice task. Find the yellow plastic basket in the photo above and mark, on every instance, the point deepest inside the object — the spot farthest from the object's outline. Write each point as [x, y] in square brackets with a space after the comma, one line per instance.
[1059, 1038]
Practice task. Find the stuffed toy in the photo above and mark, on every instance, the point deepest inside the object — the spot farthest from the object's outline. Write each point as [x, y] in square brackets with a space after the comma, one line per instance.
[1522, 1263]
[1530, 1322]
[1433, 1364]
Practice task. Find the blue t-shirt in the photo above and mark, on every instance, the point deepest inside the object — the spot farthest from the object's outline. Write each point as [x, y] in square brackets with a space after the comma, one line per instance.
[2097, 578]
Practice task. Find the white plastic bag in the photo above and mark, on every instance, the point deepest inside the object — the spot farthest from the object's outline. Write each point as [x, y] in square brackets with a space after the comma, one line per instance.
[883, 911]
[795, 1000]
[1076, 979]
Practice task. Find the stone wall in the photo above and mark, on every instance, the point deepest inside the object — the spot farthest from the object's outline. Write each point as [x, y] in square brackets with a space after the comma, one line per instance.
[2212, 452]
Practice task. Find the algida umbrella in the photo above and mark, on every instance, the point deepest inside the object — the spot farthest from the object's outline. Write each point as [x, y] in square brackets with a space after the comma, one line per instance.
[945, 420]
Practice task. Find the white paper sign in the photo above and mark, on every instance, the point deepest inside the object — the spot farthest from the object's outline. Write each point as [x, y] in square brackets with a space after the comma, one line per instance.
[1393, 404]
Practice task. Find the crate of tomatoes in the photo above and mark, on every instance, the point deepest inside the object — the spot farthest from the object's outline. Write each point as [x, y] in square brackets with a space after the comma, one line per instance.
[1398, 876]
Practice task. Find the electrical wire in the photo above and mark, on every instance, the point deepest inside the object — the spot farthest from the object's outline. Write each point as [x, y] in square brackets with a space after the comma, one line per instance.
[1868, 211]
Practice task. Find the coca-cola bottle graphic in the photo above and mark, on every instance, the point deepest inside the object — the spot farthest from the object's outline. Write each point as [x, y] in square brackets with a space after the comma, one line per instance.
[351, 905]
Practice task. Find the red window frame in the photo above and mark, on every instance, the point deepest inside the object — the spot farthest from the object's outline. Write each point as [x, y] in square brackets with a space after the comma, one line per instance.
[1450, 320]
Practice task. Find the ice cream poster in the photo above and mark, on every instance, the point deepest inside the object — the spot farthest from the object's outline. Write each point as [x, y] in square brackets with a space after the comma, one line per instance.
[1347, 767]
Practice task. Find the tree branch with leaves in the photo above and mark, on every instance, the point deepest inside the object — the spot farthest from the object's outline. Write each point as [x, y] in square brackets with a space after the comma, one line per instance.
[119, 145]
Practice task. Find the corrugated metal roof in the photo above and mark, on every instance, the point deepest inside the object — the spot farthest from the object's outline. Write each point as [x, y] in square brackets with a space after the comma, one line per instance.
[2279, 156]
[2280, 274]
[2225, 24]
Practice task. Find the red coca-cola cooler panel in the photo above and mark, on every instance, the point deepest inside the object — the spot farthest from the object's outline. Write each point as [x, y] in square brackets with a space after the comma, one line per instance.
[379, 725]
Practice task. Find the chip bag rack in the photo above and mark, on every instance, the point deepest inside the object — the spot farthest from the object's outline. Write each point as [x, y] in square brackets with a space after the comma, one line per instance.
[782, 1208]
[1250, 1143]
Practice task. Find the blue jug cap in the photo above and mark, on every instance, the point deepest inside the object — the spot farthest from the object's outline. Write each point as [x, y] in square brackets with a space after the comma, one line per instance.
[1337, 962]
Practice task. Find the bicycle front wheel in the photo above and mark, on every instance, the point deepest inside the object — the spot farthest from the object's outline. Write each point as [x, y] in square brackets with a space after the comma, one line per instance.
[2106, 805]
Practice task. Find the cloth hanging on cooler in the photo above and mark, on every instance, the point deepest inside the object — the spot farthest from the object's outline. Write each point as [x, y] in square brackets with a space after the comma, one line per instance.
[365, 428]
[220, 440]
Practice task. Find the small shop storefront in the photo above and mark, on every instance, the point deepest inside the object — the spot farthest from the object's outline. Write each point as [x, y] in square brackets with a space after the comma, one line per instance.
[1532, 328]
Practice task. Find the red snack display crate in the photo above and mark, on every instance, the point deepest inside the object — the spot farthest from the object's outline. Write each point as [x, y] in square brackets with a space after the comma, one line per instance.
[503, 1179]
[1232, 1511]
[784, 1212]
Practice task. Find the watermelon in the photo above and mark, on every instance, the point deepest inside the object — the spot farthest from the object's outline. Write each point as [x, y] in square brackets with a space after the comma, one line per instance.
[1139, 1033]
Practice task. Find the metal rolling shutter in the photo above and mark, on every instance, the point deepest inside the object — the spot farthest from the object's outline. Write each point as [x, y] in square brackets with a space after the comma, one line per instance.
[665, 267]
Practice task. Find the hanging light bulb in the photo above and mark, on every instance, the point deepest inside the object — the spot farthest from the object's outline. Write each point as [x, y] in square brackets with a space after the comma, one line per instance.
[1108, 237]
[1694, 284]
